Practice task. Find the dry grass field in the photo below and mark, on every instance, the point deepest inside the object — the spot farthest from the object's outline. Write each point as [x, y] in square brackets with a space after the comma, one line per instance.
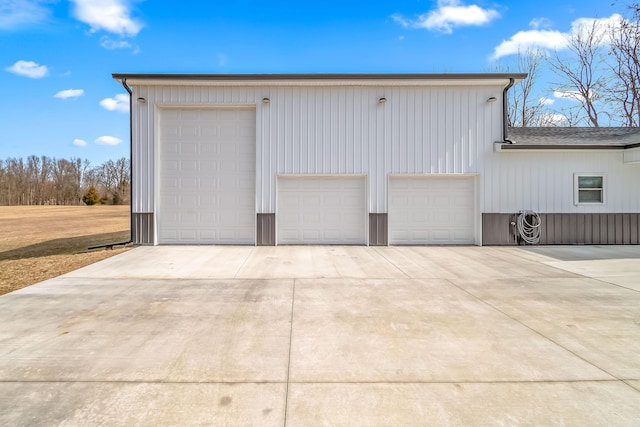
[40, 242]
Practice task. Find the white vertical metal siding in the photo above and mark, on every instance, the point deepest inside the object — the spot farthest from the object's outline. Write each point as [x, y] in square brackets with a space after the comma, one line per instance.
[632, 155]
[337, 130]
[543, 181]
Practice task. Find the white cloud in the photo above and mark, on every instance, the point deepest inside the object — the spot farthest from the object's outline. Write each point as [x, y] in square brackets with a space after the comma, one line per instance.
[600, 26]
[119, 103]
[79, 143]
[531, 39]
[554, 39]
[113, 16]
[546, 101]
[401, 20]
[450, 14]
[108, 140]
[28, 69]
[537, 23]
[109, 44]
[16, 13]
[69, 93]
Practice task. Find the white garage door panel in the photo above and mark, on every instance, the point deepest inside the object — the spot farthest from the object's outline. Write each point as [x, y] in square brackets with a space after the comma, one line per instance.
[431, 210]
[207, 177]
[322, 210]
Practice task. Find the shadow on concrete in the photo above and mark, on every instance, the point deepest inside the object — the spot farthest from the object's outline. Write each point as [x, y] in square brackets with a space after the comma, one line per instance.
[587, 252]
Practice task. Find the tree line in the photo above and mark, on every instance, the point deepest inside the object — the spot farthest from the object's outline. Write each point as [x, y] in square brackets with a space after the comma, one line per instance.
[49, 181]
[599, 70]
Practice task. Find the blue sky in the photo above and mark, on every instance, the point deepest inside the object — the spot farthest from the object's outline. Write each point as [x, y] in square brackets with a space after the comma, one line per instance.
[56, 56]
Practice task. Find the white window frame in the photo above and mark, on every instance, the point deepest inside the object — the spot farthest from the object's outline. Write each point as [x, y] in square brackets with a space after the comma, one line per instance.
[576, 188]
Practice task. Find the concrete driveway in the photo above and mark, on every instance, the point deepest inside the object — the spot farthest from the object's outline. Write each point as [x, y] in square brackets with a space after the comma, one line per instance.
[299, 336]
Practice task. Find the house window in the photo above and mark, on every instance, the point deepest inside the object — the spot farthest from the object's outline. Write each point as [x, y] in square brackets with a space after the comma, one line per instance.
[588, 188]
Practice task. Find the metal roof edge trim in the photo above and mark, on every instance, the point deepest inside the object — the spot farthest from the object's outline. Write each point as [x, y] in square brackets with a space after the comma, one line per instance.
[317, 79]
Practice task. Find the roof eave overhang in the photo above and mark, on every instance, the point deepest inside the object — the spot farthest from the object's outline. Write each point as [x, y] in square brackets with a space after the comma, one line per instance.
[453, 79]
[565, 147]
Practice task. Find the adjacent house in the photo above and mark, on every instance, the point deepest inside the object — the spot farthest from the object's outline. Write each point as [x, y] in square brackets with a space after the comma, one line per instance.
[366, 159]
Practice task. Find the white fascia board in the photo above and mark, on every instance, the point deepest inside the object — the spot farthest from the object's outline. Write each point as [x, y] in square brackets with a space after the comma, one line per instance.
[318, 83]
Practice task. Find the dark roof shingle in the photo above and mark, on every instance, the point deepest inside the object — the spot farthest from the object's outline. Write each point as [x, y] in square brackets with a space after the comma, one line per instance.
[573, 137]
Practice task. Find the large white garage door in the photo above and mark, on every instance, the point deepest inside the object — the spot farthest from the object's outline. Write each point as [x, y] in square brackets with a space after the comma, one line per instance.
[207, 176]
[322, 210]
[431, 210]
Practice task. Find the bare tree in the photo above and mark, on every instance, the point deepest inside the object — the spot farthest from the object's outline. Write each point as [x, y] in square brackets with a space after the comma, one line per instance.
[525, 109]
[582, 74]
[44, 180]
[633, 7]
[120, 172]
[45, 185]
[113, 177]
[38, 180]
[67, 181]
[624, 92]
[84, 167]
[16, 184]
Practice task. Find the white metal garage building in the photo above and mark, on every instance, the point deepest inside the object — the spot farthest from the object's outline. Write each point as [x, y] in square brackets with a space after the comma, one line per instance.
[316, 159]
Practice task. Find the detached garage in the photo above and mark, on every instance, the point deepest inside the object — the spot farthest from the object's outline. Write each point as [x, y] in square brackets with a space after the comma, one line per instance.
[364, 159]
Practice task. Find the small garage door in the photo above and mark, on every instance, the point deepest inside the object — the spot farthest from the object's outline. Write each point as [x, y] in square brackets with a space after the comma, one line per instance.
[207, 176]
[322, 210]
[431, 210]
